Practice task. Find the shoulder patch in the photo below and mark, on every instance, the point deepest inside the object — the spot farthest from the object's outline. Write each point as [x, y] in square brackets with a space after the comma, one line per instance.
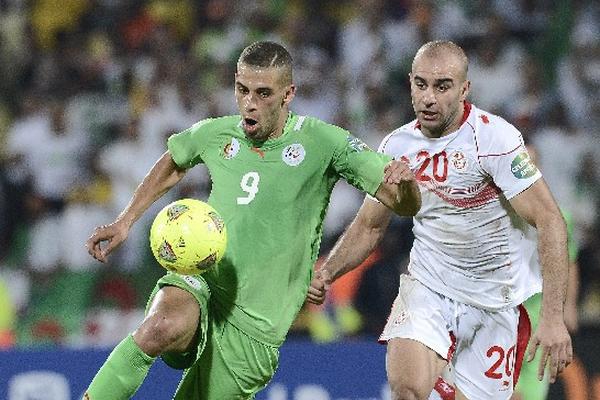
[356, 144]
[522, 167]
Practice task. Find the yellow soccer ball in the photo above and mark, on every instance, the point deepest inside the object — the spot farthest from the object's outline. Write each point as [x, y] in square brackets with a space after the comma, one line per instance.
[188, 236]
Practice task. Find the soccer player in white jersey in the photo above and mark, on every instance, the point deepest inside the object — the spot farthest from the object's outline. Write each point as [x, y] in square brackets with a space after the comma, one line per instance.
[470, 267]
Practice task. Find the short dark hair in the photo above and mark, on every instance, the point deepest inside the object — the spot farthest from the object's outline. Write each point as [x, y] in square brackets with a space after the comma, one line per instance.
[267, 54]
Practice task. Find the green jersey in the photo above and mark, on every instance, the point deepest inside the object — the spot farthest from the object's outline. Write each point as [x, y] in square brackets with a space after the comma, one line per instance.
[273, 196]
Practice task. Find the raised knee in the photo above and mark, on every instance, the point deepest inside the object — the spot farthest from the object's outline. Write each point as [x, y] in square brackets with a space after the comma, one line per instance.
[161, 333]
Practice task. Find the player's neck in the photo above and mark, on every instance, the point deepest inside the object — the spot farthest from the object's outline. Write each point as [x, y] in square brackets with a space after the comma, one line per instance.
[281, 123]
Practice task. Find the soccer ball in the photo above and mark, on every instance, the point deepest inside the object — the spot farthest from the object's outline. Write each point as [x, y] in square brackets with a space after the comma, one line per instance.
[188, 236]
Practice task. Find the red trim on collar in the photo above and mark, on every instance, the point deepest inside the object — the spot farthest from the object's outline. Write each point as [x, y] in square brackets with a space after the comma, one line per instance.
[466, 112]
[258, 151]
[465, 115]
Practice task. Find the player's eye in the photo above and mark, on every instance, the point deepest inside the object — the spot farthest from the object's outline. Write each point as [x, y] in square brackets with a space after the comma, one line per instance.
[442, 88]
[264, 94]
[420, 85]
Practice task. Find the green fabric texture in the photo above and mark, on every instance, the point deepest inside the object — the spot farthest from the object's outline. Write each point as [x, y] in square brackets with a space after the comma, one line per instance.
[121, 374]
[232, 366]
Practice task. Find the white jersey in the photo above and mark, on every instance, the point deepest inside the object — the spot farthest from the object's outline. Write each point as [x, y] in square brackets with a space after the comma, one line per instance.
[470, 245]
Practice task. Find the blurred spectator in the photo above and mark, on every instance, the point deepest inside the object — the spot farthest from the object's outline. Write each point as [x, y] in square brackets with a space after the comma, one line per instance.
[492, 70]
[579, 71]
[55, 162]
[564, 151]
[535, 104]
[114, 163]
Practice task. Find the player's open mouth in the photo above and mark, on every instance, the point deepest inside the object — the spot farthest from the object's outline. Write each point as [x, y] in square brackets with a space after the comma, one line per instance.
[429, 115]
[250, 125]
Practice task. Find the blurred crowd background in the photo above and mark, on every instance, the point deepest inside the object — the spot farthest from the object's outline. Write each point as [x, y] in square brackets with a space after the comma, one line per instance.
[90, 90]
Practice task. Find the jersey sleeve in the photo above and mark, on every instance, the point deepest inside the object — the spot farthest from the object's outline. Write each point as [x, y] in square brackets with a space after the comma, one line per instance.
[358, 164]
[383, 149]
[502, 154]
[188, 146]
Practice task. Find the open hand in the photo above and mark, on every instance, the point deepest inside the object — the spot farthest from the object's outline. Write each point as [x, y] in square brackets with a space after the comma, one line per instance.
[555, 344]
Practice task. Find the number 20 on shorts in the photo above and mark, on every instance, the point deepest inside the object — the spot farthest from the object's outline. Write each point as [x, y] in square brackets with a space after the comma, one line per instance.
[503, 362]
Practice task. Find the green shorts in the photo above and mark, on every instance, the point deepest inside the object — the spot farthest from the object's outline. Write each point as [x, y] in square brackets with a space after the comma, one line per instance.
[228, 364]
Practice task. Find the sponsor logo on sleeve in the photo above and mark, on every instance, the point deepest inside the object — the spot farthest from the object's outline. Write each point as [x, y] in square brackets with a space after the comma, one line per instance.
[356, 144]
[293, 154]
[522, 167]
[193, 282]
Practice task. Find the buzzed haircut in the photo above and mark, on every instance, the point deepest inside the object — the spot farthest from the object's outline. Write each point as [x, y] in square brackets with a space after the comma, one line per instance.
[268, 55]
[442, 47]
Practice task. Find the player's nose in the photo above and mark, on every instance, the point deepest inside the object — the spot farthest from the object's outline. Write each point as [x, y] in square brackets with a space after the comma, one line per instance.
[429, 98]
[249, 102]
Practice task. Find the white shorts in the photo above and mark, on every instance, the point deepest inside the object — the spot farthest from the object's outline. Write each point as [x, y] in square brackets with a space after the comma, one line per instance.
[485, 349]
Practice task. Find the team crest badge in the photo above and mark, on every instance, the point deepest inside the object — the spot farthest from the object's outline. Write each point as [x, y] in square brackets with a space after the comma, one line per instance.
[293, 154]
[231, 149]
[458, 160]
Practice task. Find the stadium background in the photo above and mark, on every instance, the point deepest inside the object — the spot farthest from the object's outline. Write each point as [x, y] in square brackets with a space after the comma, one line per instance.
[90, 89]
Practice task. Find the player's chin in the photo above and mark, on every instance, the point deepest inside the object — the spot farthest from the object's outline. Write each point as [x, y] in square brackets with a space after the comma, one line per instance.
[254, 134]
[430, 124]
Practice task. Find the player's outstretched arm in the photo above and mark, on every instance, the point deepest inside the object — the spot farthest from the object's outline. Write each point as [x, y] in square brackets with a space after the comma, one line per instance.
[537, 206]
[352, 248]
[399, 189]
[161, 177]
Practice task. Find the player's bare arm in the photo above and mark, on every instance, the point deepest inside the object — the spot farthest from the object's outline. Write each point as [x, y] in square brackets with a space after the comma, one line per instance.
[537, 206]
[352, 248]
[571, 319]
[161, 177]
[399, 189]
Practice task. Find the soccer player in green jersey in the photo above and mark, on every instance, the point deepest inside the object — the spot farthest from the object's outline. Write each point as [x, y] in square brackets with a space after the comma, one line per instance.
[272, 175]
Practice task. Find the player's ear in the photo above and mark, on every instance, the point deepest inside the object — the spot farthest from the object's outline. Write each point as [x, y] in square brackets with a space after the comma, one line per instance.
[466, 87]
[289, 95]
